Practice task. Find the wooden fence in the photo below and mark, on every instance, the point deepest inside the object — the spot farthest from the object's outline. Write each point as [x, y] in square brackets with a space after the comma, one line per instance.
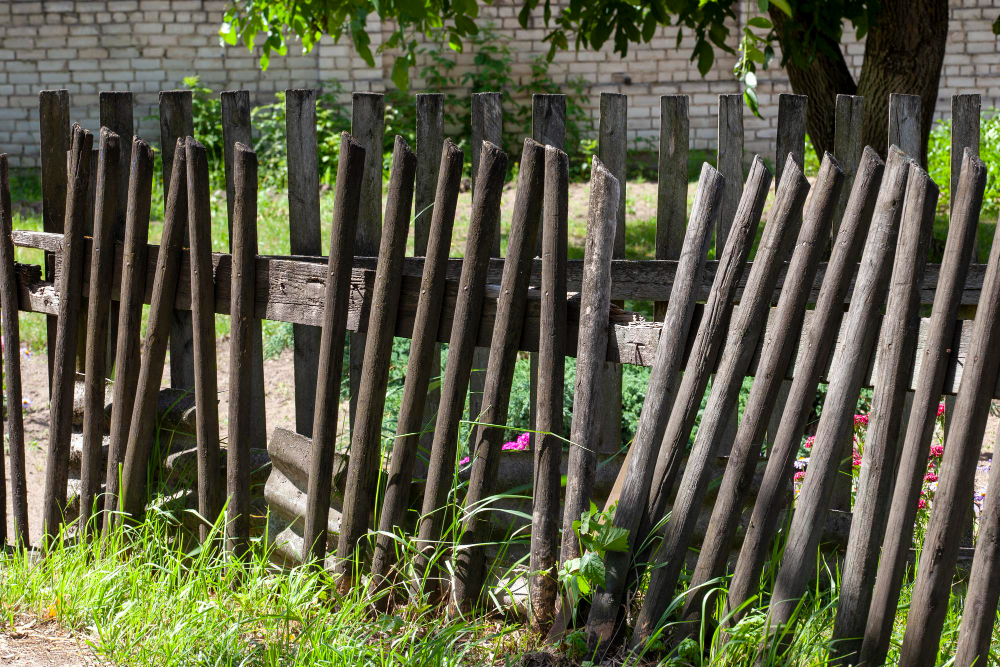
[807, 309]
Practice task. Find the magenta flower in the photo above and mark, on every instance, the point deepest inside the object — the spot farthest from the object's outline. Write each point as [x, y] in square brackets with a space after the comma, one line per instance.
[930, 477]
[922, 504]
[937, 451]
[860, 421]
[940, 409]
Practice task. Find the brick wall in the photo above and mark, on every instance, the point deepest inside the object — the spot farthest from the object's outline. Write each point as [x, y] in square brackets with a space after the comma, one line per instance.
[150, 45]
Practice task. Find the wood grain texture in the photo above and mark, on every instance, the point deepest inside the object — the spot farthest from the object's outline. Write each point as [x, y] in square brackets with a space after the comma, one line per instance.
[346, 210]
[63, 363]
[99, 304]
[430, 140]
[633, 492]
[730, 164]
[304, 237]
[932, 359]
[904, 124]
[847, 145]
[965, 118]
[671, 182]
[132, 279]
[791, 133]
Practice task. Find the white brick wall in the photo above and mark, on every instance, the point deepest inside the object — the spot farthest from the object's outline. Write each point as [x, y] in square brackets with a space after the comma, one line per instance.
[150, 45]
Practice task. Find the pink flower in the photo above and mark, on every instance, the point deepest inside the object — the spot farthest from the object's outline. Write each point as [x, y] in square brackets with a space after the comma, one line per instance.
[519, 445]
[799, 476]
[921, 504]
[810, 441]
[937, 451]
[464, 461]
[930, 477]
[940, 409]
[860, 421]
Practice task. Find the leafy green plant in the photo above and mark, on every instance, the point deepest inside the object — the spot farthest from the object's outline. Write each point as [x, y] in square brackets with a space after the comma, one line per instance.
[578, 577]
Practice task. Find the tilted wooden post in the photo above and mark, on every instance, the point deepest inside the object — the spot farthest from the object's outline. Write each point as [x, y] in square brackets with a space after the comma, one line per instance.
[464, 332]
[177, 122]
[102, 268]
[896, 345]
[63, 365]
[206, 390]
[168, 268]
[671, 182]
[420, 366]
[346, 202]
[304, 238]
[637, 471]
[511, 302]
[365, 461]
[920, 426]
[133, 289]
[549, 403]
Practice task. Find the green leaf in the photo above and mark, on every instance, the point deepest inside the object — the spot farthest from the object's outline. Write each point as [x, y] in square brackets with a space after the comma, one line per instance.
[613, 538]
[762, 5]
[759, 22]
[228, 34]
[401, 72]
[750, 79]
[783, 6]
[706, 56]
[524, 15]
[996, 26]
[750, 97]
[592, 569]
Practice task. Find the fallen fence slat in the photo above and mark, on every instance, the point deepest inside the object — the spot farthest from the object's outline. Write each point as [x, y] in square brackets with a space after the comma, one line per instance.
[99, 304]
[63, 366]
[133, 282]
[346, 207]
[366, 438]
[920, 427]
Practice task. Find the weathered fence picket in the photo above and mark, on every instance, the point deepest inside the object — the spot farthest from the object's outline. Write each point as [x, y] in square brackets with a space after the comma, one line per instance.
[730, 164]
[904, 125]
[671, 182]
[847, 150]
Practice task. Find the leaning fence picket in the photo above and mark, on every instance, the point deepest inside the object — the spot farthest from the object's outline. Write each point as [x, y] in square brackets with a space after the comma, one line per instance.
[366, 438]
[63, 366]
[102, 267]
[133, 288]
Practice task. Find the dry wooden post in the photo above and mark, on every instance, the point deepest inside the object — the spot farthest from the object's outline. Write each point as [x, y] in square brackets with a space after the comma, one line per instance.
[346, 204]
[117, 116]
[507, 327]
[236, 129]
[487, 125]
[63, 367]
[920, 427]
[420, 366]
[102, 268]
[814, 353]
[730, 164]
[12, 365]
[549, 405]
[847, 147]
[366, 438]
[168, 268]
[588, 392]
[177, 122]
[931, 588]
[368, 128]
[660, 396]
[464, 332]
[741, 341]
[897, 342]
[715, 319]
[834, 430]
[304, 237]
[671, 182]
[779, 342]
[54, 135]
[965, 112]
[241, 336]
[904, 125]
[791, 133]
[88, 226]
[206, 392]
[612, 149]
[133, 289]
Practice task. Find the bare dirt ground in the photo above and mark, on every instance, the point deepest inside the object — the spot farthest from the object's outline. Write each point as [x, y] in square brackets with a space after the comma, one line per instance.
[35, 643]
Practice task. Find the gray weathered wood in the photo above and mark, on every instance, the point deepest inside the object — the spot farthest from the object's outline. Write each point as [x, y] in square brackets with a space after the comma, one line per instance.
[935, 570]
[847, 147]
[430, 139]
[422, 364]
[304, 237]
[168, 269]
[897, 341]
[784, 221]
[54, 137]
[730, 164]
[632, 494]
[241, 336]
[346, 204]
[236, 129]
[549, 402]
[366, 438]
[368, 129]
[63, 366]
[775, 356]
[464, 329]
[833, 434]
[206, 393]
[12, 369]
[177, 122]
[671, 182]
[791, 133]
[485, 452]
[920, 427]
[904, 125]
[133, 280]
[965, 112]
[99, 303]
[814, 355]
